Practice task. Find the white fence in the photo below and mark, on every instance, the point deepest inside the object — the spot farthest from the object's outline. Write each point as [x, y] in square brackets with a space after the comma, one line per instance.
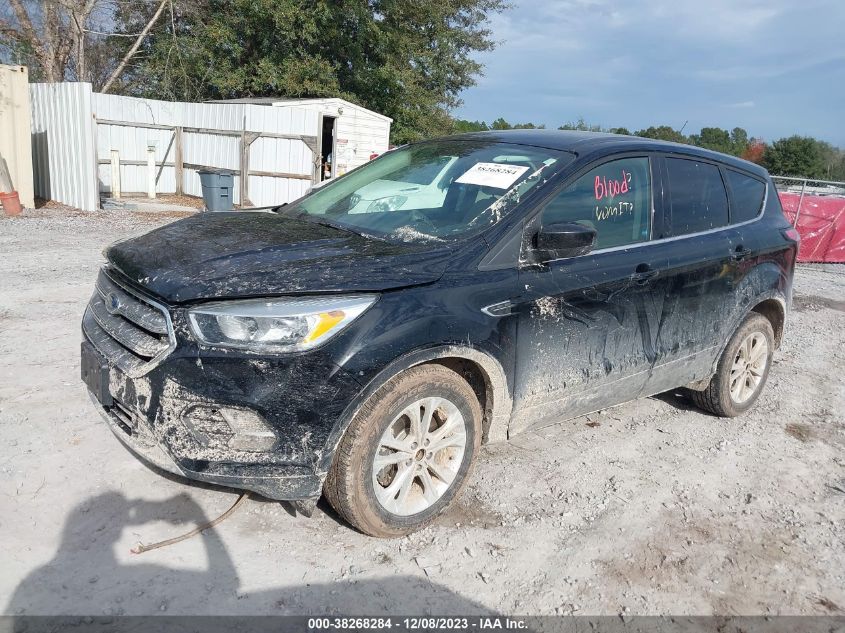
[272, 150]
[64, 154]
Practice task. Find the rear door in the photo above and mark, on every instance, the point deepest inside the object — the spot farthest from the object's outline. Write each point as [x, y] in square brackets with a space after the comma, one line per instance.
[584, 339]
[698, 281]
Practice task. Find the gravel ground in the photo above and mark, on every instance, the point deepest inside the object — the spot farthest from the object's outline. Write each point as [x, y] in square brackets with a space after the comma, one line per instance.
[648, 508]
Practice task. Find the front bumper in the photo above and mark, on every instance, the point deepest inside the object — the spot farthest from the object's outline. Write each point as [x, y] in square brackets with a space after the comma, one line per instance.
[282, 483]
[300, 398]
[265, 423]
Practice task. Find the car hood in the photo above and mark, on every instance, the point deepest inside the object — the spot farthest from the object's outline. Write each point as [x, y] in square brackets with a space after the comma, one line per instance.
[248, 254]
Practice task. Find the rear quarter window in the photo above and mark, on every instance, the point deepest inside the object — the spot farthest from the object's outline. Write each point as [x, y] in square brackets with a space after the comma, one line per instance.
[747, 195]
[697, 196]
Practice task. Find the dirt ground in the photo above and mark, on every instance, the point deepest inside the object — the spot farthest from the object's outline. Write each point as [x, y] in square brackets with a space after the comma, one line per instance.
[648, 508]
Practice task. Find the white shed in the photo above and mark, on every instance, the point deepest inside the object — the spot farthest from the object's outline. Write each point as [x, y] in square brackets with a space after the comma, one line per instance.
[91, 145]
[348, 134]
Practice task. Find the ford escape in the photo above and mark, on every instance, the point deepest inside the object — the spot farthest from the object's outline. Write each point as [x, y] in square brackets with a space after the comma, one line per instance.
[365, 352]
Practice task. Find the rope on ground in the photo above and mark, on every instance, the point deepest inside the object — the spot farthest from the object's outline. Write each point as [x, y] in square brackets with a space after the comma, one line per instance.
[140, 548]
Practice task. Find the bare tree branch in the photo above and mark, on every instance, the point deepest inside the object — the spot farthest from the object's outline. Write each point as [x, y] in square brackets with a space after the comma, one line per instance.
[13, 32]
[80, 17]
[134, 48]
[57, 37]
[39, 45]
[107, 34]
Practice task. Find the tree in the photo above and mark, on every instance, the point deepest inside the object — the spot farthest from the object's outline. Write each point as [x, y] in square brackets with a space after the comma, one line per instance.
[799, 156]
[834, 162]
[754, 151]
[50, 36]
[739, 141]
[462, 125]
[663, 133]
[714, 138]
[134, 48]
[581, 126]
[837, 171]
[502, 124]
[408, 59]
[67, 40]
[734, 142]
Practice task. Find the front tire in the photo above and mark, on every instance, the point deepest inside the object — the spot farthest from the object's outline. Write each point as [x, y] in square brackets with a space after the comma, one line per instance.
[407, 454]
[742, 370]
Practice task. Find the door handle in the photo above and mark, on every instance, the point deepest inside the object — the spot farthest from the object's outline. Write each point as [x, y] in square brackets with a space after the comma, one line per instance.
[740, 253]
[643, 273]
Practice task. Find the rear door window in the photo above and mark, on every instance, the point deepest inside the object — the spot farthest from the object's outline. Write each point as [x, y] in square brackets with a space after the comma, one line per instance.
[614, 198]
[697, 196]
[747, 195]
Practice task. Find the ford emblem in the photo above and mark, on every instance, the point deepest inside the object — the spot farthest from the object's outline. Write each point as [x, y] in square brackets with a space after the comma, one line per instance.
[112, 303]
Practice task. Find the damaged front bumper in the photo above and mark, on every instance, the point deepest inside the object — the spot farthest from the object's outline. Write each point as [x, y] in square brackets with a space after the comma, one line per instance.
[281, 483]
[237, 420]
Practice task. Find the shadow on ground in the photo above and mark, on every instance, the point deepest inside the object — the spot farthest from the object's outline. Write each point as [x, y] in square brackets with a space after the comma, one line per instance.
[85, 571]
[679, 400]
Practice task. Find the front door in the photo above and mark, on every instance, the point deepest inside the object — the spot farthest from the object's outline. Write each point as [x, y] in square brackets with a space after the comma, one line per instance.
[585, 336]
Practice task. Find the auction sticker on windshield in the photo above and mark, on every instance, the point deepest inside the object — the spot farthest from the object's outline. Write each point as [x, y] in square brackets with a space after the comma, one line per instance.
[498, 175]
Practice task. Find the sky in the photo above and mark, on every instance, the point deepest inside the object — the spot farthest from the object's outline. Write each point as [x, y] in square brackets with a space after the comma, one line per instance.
[773, 67]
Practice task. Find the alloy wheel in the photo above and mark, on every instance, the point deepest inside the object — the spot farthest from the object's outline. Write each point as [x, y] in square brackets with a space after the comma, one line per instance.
[419, 456]
[749, 367]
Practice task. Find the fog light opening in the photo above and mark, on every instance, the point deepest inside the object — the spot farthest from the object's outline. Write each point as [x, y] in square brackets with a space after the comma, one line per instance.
[251, 431]
[229, 427]
[206, 425]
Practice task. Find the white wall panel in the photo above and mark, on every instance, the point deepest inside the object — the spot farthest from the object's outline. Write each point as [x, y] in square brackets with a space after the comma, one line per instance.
[64, 152]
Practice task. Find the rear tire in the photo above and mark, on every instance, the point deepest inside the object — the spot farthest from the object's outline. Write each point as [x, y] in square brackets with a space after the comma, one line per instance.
[407, 454]
[742, 370]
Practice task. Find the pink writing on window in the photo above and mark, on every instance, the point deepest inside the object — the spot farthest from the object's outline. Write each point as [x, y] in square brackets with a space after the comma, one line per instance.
[611, 188]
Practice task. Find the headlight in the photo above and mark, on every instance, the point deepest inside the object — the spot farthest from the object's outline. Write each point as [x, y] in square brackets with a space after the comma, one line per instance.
[276, 325]
[390, 203]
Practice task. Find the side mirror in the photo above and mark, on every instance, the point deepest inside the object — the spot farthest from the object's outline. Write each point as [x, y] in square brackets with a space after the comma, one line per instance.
[570, 239]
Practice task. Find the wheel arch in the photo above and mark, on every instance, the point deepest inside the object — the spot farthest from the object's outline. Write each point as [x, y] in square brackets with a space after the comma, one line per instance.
[774, 309]
[482, 371]
[771, 304]
[766, 288]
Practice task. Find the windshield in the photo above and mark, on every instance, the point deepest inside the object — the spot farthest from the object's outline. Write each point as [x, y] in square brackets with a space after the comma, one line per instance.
[436, 190]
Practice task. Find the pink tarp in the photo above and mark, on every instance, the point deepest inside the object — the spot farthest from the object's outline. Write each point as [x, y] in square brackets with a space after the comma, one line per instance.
[821, 224]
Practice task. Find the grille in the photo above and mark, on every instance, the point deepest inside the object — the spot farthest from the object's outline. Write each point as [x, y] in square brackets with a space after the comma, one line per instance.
[133, 333]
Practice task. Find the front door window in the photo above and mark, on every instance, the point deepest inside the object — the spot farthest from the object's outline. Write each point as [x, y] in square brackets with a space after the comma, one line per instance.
[614, 198]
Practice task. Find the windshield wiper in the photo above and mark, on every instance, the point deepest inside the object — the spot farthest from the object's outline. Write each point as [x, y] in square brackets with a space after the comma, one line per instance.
[334, 225]
[321, 221]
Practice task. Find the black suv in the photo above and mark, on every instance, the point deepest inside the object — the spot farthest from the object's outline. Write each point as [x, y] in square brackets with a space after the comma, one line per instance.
[363, 341]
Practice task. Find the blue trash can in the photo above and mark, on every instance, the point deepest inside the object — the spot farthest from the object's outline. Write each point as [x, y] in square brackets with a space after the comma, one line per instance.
[217, 188]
